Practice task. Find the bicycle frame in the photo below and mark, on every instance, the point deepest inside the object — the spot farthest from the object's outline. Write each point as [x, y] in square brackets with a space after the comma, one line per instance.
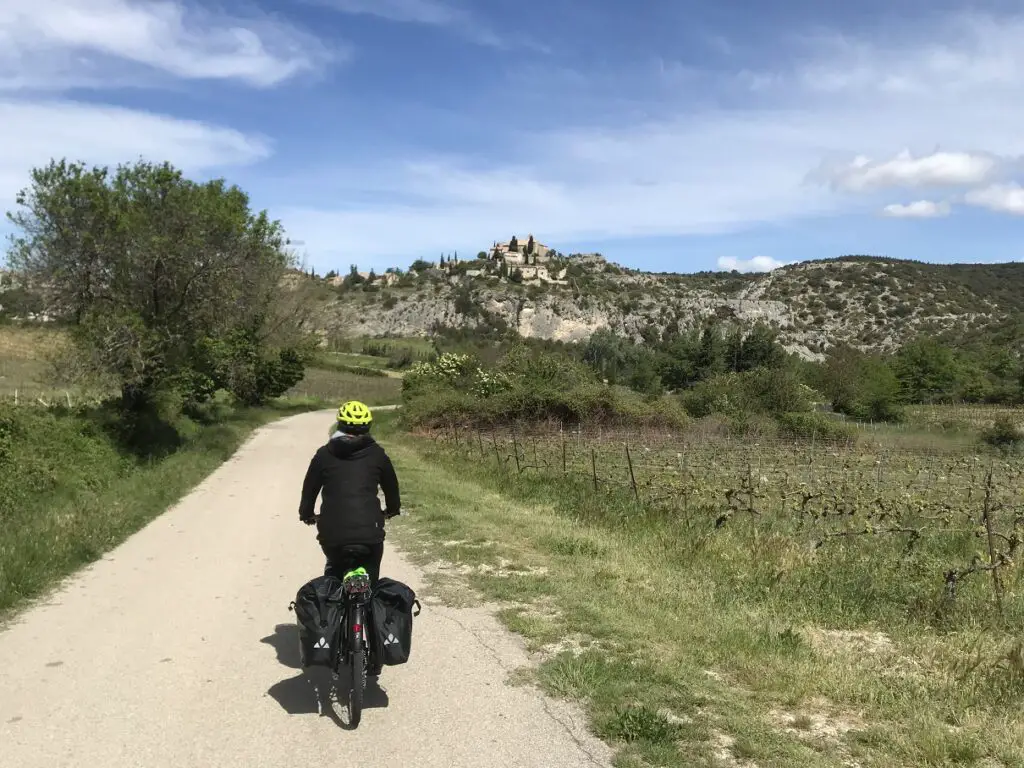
[357, 597]
[353, 645]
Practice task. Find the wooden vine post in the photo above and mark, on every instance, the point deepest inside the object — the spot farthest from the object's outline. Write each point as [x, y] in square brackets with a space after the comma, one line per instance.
[632, 477]
[987, 514]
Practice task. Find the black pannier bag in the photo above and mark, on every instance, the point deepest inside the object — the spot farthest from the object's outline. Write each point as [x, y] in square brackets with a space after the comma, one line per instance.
[391, 614]
[319, 610]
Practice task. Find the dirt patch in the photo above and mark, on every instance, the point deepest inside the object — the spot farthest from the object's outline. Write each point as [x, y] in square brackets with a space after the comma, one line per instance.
[816, 723]
[503, 569]
[820, 723]
[846, 642]
[469, 544]
[542, 608]
[675, 719]
[723, 744]
[574, 643]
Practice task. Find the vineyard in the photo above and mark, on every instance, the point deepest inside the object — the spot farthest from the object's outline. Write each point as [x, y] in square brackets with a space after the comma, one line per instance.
[933, 533]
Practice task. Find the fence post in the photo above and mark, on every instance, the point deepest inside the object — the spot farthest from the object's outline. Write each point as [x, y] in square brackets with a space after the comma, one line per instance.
[515, 447]
[497, 456]
[997, 585]
[564, 466]
[632, 477]
[593, 465]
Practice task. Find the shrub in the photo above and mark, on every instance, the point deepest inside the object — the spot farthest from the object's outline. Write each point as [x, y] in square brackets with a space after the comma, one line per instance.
[524, 386]
[806, 426]
[762, 390]
[1004, 433]
[403, 358]
[720, 394]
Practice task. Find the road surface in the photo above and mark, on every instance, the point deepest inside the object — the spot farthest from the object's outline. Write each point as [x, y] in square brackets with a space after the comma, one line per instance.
[178, 649]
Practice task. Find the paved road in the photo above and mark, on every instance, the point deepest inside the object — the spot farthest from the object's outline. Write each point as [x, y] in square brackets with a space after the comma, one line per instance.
[177, 649]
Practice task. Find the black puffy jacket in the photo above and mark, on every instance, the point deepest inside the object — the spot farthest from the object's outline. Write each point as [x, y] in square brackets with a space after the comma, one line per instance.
[349, 470]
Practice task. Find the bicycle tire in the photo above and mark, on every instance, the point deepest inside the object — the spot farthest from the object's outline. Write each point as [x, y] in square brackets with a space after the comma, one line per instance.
[358, 683]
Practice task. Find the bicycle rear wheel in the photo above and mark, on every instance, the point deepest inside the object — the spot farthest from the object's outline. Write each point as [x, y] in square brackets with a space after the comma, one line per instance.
[358, 684]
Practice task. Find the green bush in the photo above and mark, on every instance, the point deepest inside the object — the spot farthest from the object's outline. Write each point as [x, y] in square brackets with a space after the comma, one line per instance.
[818, 426]
[403, 358]
[861, 386]
[761, 390]
[1004, 433]
[524, 386]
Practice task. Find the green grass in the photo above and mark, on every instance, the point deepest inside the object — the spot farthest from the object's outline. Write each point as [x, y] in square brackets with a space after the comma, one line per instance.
[336, 386]
[422, 348]
[26, 372]
[69, 493]
[684, 645]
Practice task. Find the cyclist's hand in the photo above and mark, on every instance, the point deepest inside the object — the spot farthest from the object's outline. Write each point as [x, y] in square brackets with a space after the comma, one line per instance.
[309, 520]
[388, 514]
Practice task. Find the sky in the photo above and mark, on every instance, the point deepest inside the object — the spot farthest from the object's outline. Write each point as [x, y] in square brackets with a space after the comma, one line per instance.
[669, 135]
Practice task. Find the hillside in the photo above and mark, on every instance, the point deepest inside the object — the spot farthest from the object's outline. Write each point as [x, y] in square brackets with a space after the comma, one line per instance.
[871, 303]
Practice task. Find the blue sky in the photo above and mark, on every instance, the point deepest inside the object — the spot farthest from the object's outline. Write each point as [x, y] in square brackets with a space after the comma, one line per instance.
[669, 135]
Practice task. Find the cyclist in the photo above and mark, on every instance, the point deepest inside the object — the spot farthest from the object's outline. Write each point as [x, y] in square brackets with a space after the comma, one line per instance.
[348, 470]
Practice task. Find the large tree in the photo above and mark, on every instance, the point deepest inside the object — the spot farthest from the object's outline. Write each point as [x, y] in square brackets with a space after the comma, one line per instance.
[166, 282]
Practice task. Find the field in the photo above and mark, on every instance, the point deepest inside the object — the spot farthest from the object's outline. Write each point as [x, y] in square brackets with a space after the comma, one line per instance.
[26, 374]
[742, 603]
[415, 348]
[906, 508]
[336, 386]
[960, 417]
[26, 367]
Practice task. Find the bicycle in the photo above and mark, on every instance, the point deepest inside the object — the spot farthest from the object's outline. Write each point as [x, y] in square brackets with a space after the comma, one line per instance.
[353, 647]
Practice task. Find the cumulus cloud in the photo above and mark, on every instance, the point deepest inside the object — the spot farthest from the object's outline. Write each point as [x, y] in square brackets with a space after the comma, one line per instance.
[904, 170]
[56, 44]
[1002, 198]
[36, 132]
[921, 209]
[754, 264]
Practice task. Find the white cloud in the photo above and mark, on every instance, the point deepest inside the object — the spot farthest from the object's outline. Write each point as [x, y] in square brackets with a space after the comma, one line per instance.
[965, 51]
[905, 170]
[921, 209]
[54, 45]
[1002, 198]
[429, 12]
[412, 11]
[36, 132]
[69, 43]
[754, 264]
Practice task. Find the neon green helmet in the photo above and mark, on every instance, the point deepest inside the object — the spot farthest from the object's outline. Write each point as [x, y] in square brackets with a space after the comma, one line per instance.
[354, 414]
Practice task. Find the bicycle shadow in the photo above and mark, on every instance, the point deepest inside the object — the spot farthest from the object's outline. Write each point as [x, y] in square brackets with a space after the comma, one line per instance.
[309, 692]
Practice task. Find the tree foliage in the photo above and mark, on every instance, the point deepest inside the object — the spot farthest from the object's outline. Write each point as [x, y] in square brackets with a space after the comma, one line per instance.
[861, 386]
[168, 284]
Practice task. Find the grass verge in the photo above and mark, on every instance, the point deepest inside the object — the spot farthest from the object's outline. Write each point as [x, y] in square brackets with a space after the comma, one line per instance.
[335, 386]
[679, 666]
[69, 492]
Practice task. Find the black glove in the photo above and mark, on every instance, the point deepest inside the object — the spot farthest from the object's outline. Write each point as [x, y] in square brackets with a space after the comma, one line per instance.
[308, 520]
[388, 514]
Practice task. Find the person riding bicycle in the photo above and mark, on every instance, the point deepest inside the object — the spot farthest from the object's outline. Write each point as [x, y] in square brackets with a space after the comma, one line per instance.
[348, 470]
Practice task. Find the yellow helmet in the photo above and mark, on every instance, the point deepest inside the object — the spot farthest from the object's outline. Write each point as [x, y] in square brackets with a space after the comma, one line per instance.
[354, 414]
